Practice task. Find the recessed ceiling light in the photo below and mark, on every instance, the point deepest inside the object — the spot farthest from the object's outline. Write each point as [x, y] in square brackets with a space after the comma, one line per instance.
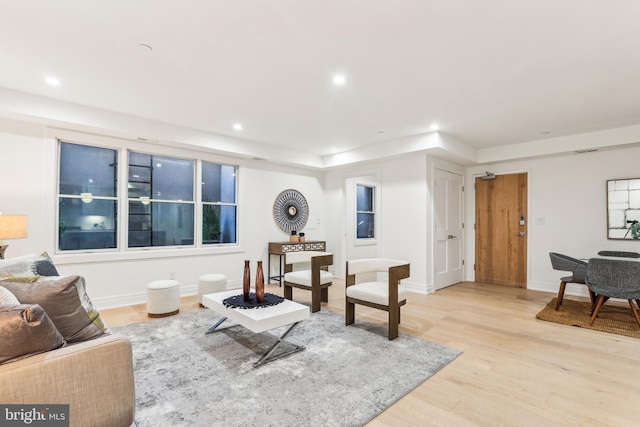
[52, 81]
[434, 127]
[339, 79]
[237, 126]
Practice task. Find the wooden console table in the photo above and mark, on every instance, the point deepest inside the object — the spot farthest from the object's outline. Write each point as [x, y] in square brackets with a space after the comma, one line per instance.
[281, 248]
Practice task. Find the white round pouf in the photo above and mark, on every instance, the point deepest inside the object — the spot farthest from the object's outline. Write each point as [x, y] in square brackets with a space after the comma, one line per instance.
[163, 298]
[211, 283]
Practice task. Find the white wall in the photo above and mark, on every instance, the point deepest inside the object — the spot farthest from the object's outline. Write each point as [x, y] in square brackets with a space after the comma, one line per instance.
[28, 165]
[403, 231]
[567, 209]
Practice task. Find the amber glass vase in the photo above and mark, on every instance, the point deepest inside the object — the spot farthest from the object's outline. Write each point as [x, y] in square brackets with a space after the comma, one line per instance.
[246, 281]
[259, 283]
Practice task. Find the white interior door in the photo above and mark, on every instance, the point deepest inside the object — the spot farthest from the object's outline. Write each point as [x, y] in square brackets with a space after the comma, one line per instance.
[447, 203]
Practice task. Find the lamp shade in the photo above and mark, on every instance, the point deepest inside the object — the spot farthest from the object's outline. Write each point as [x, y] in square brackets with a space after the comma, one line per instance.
[13, 226]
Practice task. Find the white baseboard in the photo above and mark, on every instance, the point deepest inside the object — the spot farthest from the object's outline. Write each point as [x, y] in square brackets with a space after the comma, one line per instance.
[571, 289]
[127, 300]
[117, 301]
[420, 288]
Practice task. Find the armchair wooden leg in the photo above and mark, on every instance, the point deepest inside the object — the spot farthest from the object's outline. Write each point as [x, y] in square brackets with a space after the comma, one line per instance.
[324, 294]
[315, 299]
[288, 292]
[599, 303]
[393, 324]
[394, 320]
[560, 294]
[349, 313]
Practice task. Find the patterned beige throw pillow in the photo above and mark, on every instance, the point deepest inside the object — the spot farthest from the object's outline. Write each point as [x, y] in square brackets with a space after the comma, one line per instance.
[31, 265]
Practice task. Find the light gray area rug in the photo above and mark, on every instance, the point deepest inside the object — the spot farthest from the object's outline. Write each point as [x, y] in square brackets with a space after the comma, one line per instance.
[346, 376]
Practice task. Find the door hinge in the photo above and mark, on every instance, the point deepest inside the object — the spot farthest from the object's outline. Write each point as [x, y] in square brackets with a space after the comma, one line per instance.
[462, 262]
[474, 267]
[463, 188]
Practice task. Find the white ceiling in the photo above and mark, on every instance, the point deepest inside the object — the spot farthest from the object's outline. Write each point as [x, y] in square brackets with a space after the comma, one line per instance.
[491, 73]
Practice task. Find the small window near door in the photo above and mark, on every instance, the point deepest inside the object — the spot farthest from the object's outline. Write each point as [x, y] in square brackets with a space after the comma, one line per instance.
[365, 212]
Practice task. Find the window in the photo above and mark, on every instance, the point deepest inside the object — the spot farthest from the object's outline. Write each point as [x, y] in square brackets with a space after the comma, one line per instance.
[87, 197]
[365, 212]
[161, 201]
[219, 209]
[155, 197]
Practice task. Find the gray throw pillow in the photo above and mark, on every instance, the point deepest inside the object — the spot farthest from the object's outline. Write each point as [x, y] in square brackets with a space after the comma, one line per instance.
[66, 302]
[26, 330]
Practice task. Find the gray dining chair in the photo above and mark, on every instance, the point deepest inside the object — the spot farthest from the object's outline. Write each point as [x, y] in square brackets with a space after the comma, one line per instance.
[578, 269]
[614, 278]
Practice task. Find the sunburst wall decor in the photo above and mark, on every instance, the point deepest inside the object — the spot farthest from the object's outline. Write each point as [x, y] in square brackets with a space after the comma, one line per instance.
[290, 210]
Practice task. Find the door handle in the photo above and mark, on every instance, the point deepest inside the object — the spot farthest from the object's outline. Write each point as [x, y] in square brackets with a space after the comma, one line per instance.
[521, 234]
[451, 236]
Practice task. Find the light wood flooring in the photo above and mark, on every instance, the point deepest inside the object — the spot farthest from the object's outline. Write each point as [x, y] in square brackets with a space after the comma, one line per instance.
[516, 370]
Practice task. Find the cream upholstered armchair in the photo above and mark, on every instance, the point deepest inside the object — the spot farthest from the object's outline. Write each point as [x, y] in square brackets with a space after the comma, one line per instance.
[308, 270]
[387, 295]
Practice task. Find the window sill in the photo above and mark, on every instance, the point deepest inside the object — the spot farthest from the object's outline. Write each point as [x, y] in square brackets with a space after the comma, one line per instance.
[365, 242]
[105, 255]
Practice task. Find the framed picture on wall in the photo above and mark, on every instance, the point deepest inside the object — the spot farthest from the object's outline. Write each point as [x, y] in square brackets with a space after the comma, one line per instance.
[623, 209]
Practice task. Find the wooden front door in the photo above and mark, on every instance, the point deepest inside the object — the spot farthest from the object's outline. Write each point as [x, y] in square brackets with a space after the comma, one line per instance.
[501, 230]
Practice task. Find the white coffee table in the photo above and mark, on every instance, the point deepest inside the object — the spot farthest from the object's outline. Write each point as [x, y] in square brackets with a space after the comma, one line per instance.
[259, 319]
